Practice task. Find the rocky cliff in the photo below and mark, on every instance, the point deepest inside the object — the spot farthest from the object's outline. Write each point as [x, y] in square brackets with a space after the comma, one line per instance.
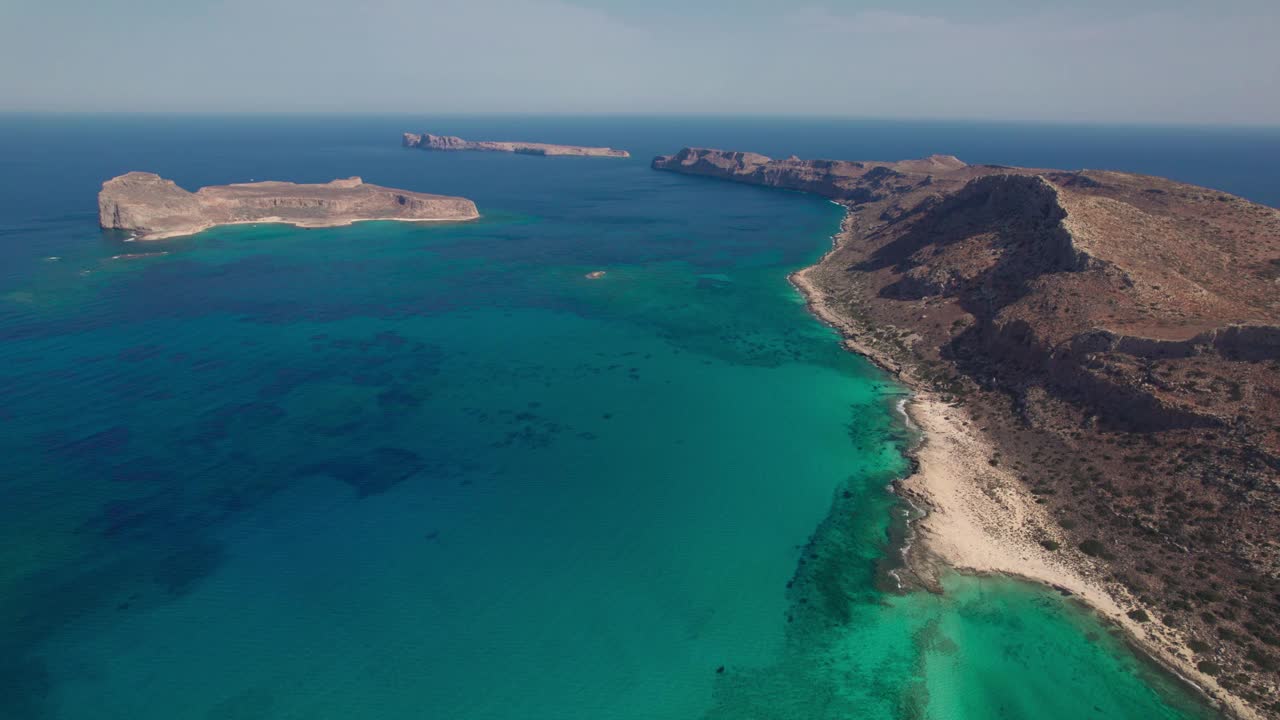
[846, 181]
[1117, 339]
[154, 208]
[427, 141]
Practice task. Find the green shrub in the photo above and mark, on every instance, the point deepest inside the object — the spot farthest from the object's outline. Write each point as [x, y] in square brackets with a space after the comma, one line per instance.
[1093, 548]
[1262, 659]
[1209, 667]
[1209, 595]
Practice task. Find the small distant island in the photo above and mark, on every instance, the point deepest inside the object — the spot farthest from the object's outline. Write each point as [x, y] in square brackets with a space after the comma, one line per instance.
[427, 141]
[155, 208]
[1096, 363]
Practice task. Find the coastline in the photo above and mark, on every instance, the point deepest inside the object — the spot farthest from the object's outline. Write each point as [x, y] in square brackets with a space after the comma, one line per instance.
[976, 517]
[306, 225]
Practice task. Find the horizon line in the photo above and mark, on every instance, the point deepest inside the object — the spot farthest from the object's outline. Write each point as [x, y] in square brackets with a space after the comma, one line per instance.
[1077, 123]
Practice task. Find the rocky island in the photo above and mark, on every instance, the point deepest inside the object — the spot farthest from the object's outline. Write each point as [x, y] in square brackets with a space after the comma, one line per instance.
[427, 141]
[155, 208]
[1096, 359]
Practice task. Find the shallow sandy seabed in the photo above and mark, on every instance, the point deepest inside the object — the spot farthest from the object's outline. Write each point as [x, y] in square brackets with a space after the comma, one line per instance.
[335, 222]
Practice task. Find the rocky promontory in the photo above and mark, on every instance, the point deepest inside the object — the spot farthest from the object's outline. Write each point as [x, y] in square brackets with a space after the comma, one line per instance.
[427, 141]
[1097, 363]
[155, 208]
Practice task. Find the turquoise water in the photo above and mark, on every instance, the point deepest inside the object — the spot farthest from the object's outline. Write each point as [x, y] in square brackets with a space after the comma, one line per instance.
[393, 471]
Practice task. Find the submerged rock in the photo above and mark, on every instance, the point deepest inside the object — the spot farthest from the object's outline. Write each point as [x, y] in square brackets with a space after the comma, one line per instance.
[373, 473]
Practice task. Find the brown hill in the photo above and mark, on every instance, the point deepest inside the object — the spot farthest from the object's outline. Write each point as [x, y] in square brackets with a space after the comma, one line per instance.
[1116, 338]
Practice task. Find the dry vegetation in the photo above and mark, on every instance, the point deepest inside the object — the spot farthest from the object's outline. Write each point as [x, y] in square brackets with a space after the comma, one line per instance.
[1116, 338]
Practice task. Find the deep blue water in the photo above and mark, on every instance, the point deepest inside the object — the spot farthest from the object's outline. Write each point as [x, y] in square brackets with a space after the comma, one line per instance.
[432, 471]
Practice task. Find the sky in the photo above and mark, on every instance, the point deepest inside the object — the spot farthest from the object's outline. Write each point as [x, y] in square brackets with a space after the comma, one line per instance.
[1125, 61]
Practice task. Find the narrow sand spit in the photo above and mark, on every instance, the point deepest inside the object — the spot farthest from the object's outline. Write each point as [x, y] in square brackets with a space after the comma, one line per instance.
[980, 518]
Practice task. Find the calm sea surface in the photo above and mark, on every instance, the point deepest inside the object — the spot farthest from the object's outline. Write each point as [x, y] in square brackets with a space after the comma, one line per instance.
[431, 471]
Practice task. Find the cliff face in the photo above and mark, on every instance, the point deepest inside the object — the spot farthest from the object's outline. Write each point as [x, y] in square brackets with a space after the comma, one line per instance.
[152, 207]
[145, 202]
[427, 141]
[1117, 337]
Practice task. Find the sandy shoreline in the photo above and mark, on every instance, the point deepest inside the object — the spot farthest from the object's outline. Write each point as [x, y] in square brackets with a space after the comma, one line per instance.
[980, 518]
[336, 222]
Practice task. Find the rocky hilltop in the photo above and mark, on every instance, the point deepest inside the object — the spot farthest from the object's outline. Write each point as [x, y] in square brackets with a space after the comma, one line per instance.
[155, 208]
[1107, 348]
[427, 141]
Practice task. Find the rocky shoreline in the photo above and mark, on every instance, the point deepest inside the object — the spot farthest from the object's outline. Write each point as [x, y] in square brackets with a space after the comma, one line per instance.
[1096, 360]
[154, 208]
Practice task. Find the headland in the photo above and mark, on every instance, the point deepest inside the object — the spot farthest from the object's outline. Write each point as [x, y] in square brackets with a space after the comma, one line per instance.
[1096, 363]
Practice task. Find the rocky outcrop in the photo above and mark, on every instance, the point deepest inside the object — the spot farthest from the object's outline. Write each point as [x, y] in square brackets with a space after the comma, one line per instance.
[1253, 343]
[154, 208]
[427, 141]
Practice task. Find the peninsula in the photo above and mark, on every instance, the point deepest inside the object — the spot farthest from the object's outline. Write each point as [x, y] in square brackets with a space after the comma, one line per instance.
[155, 208]
[427, 141]
[1096, 359]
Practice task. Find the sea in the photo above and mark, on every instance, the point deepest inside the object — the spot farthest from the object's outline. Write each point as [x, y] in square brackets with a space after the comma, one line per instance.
[395, 471]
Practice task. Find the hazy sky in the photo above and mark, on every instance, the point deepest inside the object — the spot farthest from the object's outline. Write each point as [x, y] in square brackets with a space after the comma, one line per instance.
[1189, 61]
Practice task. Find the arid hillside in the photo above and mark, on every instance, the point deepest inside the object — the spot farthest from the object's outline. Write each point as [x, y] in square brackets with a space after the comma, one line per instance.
[1116, 337]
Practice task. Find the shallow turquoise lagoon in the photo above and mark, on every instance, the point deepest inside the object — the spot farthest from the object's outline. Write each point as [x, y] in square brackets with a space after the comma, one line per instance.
[433, 471]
